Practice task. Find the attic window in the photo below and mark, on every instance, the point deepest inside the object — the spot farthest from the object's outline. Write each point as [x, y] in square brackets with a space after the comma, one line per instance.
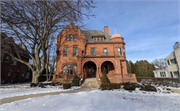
[94, 39]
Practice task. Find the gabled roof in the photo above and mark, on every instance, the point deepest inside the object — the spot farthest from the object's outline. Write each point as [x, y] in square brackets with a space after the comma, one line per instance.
[170, 56]
[9, 41]
[89, 33]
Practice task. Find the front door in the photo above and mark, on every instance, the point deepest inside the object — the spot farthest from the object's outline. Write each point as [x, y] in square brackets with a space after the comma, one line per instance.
[91, 70]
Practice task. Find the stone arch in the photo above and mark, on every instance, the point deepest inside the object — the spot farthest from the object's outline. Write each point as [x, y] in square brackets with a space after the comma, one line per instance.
[90, 69]
[68, 63]
[107, 60]
[89, 60]
[108, 67]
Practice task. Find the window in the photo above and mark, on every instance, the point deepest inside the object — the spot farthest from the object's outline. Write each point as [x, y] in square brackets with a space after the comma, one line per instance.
[7, 59]
[75, 51]
[173, 61]
[94, 39]
[9, 72]
[105, 51]
[13, 62]
[75, 38]
[171, 74]
[164, 74]
[93, 51]
[161, 74]
[66, 51]
[23, 74]
[6, 49]
[168, 62]
[98, 38]
[71, 38]
[101, 39]
[176, 74]
[69, 69]
[119, 49]
[27, 75]
[124, 51]
[67, 37]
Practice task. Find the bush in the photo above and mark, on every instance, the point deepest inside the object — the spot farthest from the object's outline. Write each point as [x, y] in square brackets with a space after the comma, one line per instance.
[66, 85]
[110, 86]
[41, 85]
[33, 85]
[129, 86]
[168, 89]
[133, 86]
[75, 81]
[104, 79]
[148, 88]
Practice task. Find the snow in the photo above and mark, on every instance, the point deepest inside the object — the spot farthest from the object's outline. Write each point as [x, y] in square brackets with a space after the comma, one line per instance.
[25, 89]
[97, 100]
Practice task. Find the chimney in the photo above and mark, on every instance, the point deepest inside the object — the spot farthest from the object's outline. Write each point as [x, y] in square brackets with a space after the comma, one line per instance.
[20, 44]
[106, 29]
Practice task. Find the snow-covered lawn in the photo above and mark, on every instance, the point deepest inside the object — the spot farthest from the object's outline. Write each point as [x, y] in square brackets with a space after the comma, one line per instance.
[117, 100]
[24, 89]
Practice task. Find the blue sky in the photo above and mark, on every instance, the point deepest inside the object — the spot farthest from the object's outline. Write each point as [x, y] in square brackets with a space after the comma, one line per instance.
[149, 27]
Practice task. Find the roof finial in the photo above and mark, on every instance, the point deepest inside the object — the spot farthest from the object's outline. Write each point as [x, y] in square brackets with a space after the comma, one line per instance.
[115, 29]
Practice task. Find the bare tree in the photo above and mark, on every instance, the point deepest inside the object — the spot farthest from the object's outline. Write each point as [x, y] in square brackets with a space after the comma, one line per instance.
[33, 22]
[161, 63]
[51, 60]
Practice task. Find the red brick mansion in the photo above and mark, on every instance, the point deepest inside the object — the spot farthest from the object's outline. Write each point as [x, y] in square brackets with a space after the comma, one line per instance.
[90, 53]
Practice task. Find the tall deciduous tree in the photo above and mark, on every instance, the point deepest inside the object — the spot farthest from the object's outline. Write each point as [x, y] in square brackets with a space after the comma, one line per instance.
[34, 23]
[161, 63]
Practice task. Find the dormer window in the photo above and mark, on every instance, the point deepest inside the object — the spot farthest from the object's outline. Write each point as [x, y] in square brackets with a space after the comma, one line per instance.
[98, 38]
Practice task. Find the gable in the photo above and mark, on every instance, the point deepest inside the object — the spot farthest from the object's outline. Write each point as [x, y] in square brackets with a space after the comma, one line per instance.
[170, 56]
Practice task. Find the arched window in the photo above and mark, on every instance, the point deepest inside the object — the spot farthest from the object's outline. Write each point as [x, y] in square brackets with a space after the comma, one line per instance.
[69, 69]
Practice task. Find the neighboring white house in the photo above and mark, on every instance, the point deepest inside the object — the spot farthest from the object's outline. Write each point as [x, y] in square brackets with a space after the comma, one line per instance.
[173, 61]
[160, 72]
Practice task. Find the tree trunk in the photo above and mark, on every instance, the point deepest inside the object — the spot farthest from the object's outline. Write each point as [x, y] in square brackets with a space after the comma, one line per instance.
[35, 77]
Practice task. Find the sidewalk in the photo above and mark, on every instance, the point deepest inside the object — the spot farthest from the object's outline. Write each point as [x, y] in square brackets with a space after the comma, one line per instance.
[8, 100]
[87, 86]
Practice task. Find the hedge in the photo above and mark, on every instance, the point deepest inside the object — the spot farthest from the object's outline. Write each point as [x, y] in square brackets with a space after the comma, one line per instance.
[66, 85]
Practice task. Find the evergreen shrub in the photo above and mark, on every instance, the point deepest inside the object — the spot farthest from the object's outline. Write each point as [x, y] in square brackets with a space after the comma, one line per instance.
[66, 85]
[104, 79]
[110, 86]
[33, 85]
[75, 81]
[129, 86]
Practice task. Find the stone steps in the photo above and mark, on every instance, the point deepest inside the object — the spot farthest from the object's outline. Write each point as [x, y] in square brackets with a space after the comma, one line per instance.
[90, 83]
